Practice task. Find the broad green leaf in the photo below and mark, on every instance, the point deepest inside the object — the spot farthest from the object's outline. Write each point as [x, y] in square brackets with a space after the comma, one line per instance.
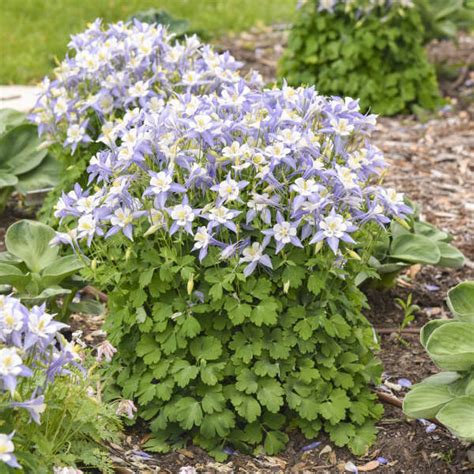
[46, 175]
[13, 276]
[47, 293]
[10, 118]
[442, 378]
[461, 301]
[425, 400]
[451, 257]
[60, 269]
[451, 346]
[428, 329]
[458, 417]
[414, 249]
[7, 257]
[275, 441]
[29, 240]
[7, 180]
[19, 149]
[430, 231]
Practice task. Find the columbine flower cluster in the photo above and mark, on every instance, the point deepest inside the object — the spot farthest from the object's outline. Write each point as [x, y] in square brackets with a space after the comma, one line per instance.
[32, 354]
[111, 70]
[361, 6]
[248, 172]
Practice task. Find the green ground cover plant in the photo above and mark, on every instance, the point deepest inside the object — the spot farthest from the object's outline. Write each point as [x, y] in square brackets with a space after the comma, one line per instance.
[370, 50]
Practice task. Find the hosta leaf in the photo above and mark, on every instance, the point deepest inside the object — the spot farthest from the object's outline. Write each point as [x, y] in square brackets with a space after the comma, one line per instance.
[45, 175]
[7, 180]
[47, 293]
[442, 378]
[29, 240]
[275, 441]
[429, 230]
[451, 346]
[428, 329]
[451, 257]
[11, 275]
[19, 149]
[7, 257]
[425, 400]
[458, 417]
[461, 301]
[414, 249]
[60, 269]
[10, 118]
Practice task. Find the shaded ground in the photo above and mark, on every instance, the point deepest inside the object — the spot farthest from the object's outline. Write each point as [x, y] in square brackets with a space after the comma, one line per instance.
[433, 162]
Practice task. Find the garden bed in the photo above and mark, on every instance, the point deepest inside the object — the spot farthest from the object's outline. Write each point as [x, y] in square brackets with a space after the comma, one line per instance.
[432, 162]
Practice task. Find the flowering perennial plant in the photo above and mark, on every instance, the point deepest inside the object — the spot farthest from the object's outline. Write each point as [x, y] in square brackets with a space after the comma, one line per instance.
[363, 48]
[229, 230]
[114, 69]
[37, 365]
[233, 198]
[251, 176]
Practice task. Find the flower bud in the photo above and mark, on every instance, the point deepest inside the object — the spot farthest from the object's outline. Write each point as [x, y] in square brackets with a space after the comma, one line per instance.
[190, 286]
[286, 286]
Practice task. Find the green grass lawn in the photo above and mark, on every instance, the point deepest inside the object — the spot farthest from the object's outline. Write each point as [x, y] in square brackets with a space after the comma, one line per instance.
[33, 33]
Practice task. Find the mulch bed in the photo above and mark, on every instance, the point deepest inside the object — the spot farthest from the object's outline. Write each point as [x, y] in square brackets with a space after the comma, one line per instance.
[432, 161]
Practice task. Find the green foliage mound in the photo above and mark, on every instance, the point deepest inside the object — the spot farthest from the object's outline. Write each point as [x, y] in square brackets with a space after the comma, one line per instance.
[254, 359]
[377, 56]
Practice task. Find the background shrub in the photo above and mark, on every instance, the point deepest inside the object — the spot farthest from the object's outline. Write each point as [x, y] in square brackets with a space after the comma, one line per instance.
[375, 55]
